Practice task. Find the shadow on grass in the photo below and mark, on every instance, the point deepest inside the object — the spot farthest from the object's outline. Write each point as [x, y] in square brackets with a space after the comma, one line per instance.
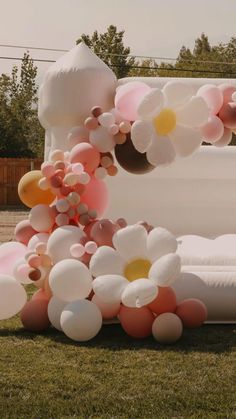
[208, 338]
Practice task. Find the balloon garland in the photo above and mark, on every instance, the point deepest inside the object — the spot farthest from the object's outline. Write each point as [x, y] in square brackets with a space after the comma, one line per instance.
[88, 269]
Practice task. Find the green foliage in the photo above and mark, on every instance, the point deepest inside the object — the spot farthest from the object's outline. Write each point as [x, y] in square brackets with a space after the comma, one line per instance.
[110, 48]
[20, 132]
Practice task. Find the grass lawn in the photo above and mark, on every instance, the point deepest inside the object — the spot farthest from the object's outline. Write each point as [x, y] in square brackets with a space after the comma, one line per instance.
[114, 376]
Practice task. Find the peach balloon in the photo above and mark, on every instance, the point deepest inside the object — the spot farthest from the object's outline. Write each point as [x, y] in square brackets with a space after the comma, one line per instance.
[167, 328]
[41, 218]
[40, 295]
[164, 302]
[34, 315]
[228, 115]
[213, 130]
[86, 154]
[192, 312]
[96, 196]
[136, 322]
[24, 231]
[225, 139]
[109, 311]
[29, 191]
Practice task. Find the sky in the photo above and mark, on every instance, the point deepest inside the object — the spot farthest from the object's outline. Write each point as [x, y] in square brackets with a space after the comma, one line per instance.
[152, 27]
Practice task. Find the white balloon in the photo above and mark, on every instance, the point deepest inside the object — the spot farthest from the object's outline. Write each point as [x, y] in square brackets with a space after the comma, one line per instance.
[166, 270]
[70, 280]
[139, 293]
[81, 320]
[102, 140]
[55, 308]
[61, 240]
[37, 238]
[167, 328]
[12, 297]
[109, 288]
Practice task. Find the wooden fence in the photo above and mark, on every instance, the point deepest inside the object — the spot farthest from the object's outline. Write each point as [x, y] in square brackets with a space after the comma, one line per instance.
[11, 171]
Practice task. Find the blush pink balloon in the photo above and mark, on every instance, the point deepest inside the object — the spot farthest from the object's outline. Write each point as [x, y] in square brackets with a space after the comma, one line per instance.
[228, 115]
[227, 91]
[109, 311]
[128, 97]
[213, 130]
[213, 97]
[86, 154]
[9, 254]
[103, 231]
[96, 196]
[24, 231]
[225, 139]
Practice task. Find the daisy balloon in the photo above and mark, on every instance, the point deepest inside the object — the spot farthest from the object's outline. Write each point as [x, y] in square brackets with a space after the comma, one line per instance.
[168, 123]
[139, 263]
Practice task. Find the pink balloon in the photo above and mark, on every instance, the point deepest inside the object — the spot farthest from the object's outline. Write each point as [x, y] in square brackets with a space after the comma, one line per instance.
[213, 130]
[103, 231]
[109, 311]
[9, 254]
[213, 97]
[228, 115]
[128, 97]
[24, 232]
[225, 139]
[86, 154]
[37, 238]
[227, 91]
[96, 196]
[41, 295]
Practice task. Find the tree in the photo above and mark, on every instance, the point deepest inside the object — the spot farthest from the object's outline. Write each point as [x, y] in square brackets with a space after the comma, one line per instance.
[110, 48]
[20, 132]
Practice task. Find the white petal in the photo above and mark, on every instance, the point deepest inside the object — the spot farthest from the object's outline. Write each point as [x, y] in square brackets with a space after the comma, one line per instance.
[160, 242]
[109, 288]
[194, 113]
[185, 140]
[151, 104]
[166, 270]
[139, 293]
[106, 260]
[131, 242]
[161, 151]
[141, 134]
[177, 93]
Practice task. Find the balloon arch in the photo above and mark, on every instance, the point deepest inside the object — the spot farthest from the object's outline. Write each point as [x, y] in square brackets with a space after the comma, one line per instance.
[88, 269]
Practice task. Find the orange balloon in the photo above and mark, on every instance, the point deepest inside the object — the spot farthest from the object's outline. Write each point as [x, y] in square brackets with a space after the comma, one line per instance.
[34, 315]
[136, 322]
[192, 312]
[165, 302]
[29, 191]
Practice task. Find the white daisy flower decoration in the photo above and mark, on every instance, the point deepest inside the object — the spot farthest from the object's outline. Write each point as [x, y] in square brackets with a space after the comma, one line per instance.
[169, 123]
[139, 263]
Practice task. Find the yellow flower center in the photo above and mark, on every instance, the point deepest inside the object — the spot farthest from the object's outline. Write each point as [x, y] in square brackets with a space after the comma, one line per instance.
[136, 269]
[165, 122]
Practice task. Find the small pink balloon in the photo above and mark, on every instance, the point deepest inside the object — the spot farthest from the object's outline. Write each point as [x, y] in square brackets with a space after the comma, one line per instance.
[9, 254]
[77, 250]
[103, 231]
[227, 91]
[95, 196]
[128, 97]
[47, 169]
[109, 311]
[34, 261]
[36, 239]
[62, 219]
[213, 97]
[213, 130]
[86, 154]
[91, 247]
[24, 231]
[225, 139]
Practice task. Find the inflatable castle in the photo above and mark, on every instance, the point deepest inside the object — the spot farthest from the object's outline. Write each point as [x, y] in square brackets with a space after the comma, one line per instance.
[161, 256]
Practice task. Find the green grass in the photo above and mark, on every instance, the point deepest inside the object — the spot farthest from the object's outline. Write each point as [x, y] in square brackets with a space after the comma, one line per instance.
[114, 376]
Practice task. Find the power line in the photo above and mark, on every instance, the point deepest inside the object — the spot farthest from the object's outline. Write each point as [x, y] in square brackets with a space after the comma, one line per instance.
[122, 55]
[135, 67]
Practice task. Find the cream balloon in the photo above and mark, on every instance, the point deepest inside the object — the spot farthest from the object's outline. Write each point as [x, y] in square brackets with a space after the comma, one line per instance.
[12, 297]
[167, 328]
[41, 218]
[81, 320]
[61, 240]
